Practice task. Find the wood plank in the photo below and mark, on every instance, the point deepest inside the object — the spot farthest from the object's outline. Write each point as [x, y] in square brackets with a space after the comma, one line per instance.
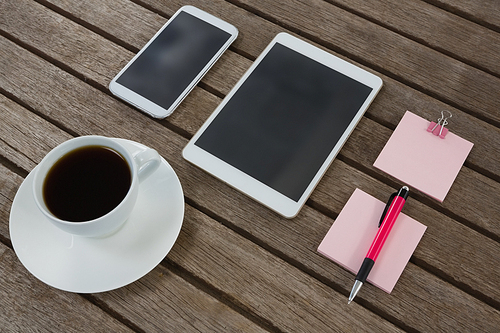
[292, 238]
[484, 156]
[28, 304]
[447, 285]
[363, 147]
[57, 38]
[131, 30]
[303, 235]
[16, 135]
[486, 12]
[163, 302]
[438, 29]
[70, 119]
[137, 24]
[129, 26]
[9, 183]
[226, 11]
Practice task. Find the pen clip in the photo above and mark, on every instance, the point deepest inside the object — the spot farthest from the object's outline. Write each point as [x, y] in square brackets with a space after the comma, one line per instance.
[387, 207]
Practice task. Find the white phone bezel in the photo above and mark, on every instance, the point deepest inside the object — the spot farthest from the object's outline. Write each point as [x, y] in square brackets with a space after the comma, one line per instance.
[249, 185]
[152, 108]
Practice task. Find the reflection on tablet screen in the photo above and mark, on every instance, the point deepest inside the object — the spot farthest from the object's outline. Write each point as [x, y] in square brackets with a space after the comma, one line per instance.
[284, 120]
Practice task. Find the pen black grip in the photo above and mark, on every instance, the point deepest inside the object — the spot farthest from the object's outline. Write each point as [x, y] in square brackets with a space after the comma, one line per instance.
[365, 269]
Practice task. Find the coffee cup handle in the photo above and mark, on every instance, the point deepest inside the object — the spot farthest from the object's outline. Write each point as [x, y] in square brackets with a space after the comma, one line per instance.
[148, 161]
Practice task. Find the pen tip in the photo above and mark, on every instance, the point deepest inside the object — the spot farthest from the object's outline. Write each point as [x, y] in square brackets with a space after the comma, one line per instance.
[349, 301]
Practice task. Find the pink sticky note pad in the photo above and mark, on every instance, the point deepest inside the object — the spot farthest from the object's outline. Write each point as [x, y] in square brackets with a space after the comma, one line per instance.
[423, 160]
[350, 237]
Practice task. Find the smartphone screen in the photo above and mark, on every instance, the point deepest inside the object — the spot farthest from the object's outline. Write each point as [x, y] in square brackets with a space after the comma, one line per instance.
[173, 62]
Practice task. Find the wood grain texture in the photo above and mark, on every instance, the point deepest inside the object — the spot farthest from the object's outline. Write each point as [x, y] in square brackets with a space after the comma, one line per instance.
[486, 12]
[369, 157]
[438, 29]
[231, 205]
[28, 304]
[474, 191]
[269, 285]
[298, 240]
[25, 146]
[136, 24]
[9, 183]
[62, 39]
[163, 302]
[387, 51]
[238, 266]
[388, 108]
[362, 142]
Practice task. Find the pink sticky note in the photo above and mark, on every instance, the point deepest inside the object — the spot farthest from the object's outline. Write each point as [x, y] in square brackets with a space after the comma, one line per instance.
[422, 160]
[350, 237]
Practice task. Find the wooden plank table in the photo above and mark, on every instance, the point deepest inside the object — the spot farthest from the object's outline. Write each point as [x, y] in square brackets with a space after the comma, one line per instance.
[237, 266]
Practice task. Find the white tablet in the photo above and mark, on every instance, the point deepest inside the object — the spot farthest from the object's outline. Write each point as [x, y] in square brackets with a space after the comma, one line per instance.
[279, 129]
[168, 67]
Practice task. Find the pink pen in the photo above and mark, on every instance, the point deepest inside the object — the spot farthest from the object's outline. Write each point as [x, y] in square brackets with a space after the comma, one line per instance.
[389, 216]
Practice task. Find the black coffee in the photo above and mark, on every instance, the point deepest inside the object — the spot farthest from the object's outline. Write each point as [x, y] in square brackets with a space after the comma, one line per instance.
[86, 183]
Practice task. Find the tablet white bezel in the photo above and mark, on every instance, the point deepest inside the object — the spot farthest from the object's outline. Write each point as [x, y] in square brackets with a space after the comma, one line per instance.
[152, 108]
[249, 185]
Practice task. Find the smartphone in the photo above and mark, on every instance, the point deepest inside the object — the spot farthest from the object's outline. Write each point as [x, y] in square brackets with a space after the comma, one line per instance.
[168, 67]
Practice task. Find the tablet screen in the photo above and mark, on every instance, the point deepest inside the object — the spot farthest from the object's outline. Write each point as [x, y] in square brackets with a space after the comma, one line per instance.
[284, 120]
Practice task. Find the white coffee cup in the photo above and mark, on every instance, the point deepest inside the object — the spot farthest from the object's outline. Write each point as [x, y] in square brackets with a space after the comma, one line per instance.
[141, 163]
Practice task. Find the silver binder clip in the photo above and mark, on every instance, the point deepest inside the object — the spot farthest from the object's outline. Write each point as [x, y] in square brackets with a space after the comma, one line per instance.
[439, 127]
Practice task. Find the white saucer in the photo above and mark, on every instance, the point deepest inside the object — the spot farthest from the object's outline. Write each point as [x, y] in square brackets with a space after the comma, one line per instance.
[89, 265]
